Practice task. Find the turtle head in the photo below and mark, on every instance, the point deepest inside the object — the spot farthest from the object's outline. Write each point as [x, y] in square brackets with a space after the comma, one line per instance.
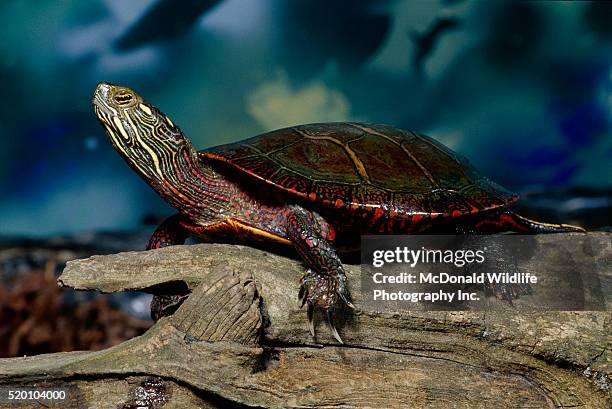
[146, 138]
[159, 152]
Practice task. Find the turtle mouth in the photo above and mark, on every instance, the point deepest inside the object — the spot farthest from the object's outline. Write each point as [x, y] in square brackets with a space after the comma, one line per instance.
[103, 89]
[100, 100]
[110, 116]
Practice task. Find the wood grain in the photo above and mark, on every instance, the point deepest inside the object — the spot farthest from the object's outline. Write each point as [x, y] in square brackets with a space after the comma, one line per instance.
[218, 349]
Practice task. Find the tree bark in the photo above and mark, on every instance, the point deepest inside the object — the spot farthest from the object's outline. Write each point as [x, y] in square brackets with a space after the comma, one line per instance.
[240, 339]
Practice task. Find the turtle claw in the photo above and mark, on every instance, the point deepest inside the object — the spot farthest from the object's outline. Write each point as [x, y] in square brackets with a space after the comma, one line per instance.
[324, 292]
[332, 326]
[303, 293]
[342, 295]
[303, 297]
[310, 313]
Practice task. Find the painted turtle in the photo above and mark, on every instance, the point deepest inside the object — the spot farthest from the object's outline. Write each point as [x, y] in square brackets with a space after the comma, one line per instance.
[315, 187]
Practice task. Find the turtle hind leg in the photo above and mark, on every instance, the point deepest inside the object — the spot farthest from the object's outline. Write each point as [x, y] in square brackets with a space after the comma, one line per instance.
[499, 259]
[502, 259]
[508, 220]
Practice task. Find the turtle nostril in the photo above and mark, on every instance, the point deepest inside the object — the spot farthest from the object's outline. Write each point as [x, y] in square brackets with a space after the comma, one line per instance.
[102, 90]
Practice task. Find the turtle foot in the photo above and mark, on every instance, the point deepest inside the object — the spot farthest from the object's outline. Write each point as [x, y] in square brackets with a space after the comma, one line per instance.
[323, 291]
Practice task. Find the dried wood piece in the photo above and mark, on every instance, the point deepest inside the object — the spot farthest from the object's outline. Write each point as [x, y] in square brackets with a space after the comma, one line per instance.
[396, 359]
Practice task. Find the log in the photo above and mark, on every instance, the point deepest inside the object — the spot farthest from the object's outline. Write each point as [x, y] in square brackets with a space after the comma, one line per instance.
[241, 340]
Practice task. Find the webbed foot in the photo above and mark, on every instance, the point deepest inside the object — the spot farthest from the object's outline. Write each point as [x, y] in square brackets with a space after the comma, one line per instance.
[324, 291]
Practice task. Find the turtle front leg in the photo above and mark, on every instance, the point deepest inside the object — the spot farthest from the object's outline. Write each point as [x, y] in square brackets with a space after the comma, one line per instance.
[169, 233]
[324, 283]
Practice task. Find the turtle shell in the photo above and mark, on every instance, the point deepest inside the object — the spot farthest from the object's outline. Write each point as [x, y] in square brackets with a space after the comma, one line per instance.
[365, 166]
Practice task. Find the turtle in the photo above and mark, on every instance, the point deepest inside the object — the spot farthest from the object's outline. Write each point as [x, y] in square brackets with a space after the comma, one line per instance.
[315, 187]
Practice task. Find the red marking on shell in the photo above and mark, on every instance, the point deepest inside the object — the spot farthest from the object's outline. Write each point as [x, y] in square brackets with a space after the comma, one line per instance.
[456, 213]
[286, 159]
[402, 225]
[312, 196]
[332, 234]
[378, 213]
[338, 203]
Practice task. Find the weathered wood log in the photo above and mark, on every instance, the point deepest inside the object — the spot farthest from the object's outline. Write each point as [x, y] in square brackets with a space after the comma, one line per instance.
[219, 349]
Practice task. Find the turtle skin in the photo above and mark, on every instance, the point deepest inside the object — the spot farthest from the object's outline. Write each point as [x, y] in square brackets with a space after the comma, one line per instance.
[327, 184]
[315, 187]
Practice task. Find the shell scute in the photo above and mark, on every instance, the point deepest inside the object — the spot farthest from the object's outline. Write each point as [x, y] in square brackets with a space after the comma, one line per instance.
[365, 166]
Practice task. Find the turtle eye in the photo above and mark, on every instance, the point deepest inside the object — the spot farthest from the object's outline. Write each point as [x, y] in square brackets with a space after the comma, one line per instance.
[123, 98]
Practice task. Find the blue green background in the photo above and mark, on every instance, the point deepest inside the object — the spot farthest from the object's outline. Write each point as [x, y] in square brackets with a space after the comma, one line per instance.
[524, 89]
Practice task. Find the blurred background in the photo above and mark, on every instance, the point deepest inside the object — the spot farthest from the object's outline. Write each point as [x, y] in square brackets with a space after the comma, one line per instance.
[523, 89]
